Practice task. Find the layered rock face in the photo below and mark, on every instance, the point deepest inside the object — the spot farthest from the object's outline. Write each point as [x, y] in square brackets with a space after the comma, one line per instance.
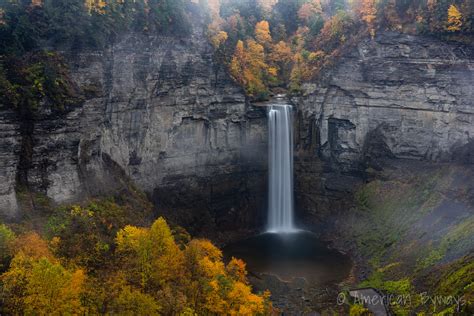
[398, 96]
[161, 112]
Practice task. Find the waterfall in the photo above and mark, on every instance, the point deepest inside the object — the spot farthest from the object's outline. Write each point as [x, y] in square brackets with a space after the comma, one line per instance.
[280, 186]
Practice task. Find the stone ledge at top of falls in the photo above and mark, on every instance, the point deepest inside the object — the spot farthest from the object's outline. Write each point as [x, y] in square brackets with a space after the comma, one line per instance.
[398, 96]
[159, 111]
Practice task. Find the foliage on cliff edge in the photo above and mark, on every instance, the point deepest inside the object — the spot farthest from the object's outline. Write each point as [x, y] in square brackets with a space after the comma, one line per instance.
[275, 45]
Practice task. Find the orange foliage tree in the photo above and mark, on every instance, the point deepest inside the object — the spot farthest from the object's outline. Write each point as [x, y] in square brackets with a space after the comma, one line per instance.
[454, 19]
[262, 33]
[249, 68]
[368, 13]
[309, 9]
[152, 275]
[36, 283]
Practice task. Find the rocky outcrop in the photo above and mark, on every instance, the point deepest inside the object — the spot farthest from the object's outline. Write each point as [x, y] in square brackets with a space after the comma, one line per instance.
[398, 96]
[159, 109]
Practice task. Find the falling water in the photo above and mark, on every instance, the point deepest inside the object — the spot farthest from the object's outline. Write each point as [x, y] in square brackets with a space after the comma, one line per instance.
[280, 191]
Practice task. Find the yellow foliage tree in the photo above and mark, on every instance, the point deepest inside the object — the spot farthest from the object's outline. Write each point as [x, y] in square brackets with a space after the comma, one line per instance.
[262, 33]
[242, 302]
[368, 12]
[454, 19]
[96, 5]
[236, 270]
[257, 68]
[151, 256]
[238, 64]
[152, 276]
[297, 72]
[35, 286]
[218, 289]
[248, 67]
[218, 39]
[126, 300]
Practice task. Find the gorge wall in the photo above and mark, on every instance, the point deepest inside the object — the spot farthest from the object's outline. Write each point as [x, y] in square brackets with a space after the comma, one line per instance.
[159, 111]
[394, 97]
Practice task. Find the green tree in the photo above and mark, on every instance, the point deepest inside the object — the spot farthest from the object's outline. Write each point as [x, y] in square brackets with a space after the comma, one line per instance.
[7, 237]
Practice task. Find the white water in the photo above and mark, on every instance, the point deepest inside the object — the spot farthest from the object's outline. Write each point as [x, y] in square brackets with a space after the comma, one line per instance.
[280, 187]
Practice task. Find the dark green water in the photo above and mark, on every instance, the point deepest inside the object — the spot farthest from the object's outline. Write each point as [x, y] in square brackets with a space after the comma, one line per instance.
[291, 255]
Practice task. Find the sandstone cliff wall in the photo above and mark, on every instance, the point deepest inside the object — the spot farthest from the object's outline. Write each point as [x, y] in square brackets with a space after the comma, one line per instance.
[398, 96]
[161, 111]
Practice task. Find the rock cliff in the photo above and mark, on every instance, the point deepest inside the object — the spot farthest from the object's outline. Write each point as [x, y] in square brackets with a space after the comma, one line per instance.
[157, 110]
[398, 96]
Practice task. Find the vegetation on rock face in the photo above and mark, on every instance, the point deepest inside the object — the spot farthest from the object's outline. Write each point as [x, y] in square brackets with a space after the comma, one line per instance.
[30, 76]
[34, 80]
[6, 239]
[417, 246]
[266, 44]
[313, 33]
[92, 263]
[79, 24]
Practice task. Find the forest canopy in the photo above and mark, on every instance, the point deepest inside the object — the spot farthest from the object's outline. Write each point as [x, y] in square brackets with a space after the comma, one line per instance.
[265, 45]
[270, 44]
[89, 262]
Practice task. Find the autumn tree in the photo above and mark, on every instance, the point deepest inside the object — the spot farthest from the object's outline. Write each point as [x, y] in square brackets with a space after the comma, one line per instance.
[122, 298]
[214, 7]
[161, 275]
[309, 9]
[236, 270]
[262, 33]
[36, 283]
[311, 15]
[298, 73]
[454, 22]
[281, 53]
[96, 6]
[152, 275]
[32, 245]
[368, 13]
[280, 57]
[6, 242]
[150, 255]
[217, 288]
[215, 27]
[238, 64]
[248, 67]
